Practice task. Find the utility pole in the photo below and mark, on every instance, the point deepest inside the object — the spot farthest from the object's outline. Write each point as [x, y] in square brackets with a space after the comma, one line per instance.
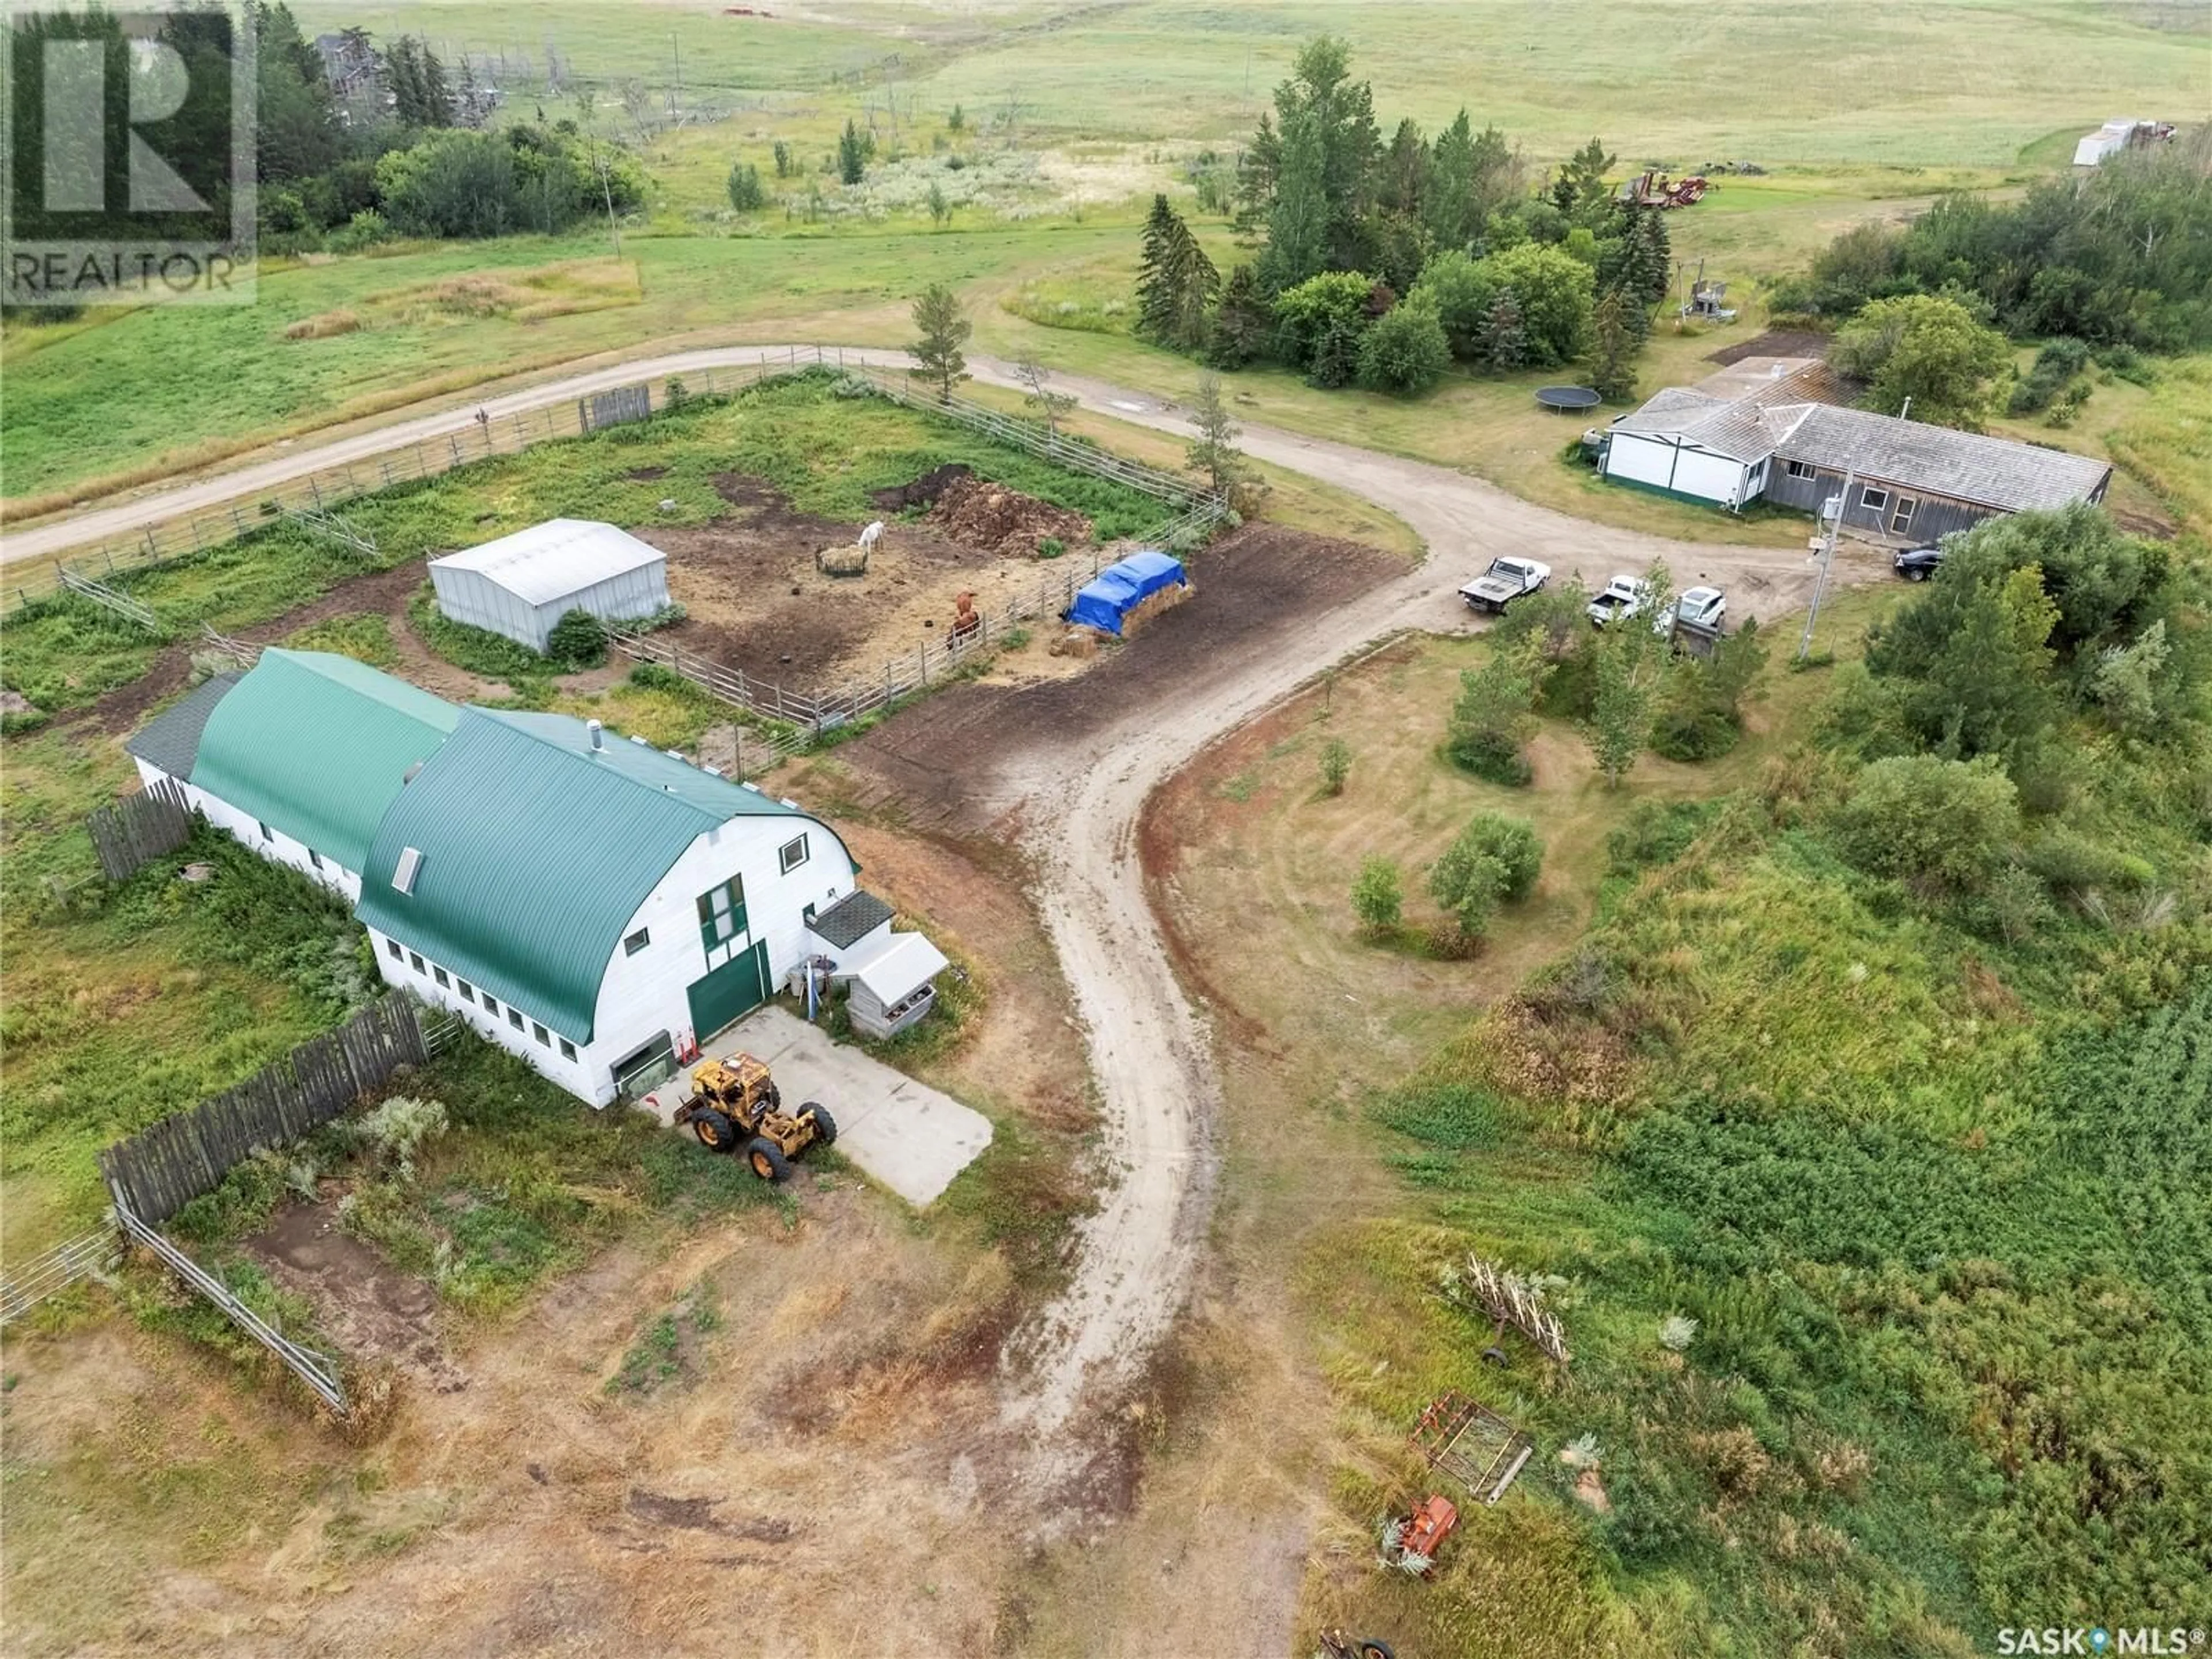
[676, 93]
[1827, 558]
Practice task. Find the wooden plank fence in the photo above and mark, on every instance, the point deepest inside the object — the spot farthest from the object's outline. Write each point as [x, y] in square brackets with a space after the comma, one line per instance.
[33, 1281]
[129, 834]
[159, 1170]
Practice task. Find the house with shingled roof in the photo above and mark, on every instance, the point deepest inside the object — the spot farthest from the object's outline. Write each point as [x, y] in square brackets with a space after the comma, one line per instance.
[1911, 483]
[594, 905]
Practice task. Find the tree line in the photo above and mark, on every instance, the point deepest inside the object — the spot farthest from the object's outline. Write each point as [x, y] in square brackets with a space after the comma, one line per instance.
[1382, 264]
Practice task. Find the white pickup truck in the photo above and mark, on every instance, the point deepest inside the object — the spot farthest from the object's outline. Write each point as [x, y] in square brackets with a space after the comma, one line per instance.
[1506, 580]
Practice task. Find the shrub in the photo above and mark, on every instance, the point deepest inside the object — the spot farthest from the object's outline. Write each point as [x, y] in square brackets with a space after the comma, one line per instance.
[746, 193]
[396, 1130]
[1492, 718]
[1335, 766]
[1378, 896]
[1494, 860]
[1405, 351]
[578, 639]
[1932, 822]
[1309, 315]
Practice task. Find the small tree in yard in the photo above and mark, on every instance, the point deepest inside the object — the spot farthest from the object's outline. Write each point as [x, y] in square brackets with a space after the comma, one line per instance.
[1215, 452]
[940, 209]
[1494, 860]
[578, 639]
[1335, 766]
[1505, 336]
[1941, 825]
[943, 330]
[1613, 367]
[1620, 713]
[1405, 351]
[1493, 718]
[1378, 899]
[1049, 403]
[784, 168]
[1242, 323]
[746, 195]
[851, 153]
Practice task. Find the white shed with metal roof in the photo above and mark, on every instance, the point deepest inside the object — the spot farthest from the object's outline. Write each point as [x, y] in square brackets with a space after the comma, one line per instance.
[521, 584]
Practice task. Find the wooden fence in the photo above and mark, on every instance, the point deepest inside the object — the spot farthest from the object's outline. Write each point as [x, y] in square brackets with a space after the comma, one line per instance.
[32, 1282]
[101, 594]
[130, 833]
[158, 1171]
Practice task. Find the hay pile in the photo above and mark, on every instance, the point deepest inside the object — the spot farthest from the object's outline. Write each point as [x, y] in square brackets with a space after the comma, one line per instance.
[1150, 606]
[990, 516]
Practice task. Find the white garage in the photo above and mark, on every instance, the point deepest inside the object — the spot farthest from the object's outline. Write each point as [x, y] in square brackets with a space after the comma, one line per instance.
[521, 584]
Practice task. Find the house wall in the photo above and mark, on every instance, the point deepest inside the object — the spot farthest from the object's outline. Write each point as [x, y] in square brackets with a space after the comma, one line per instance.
[274, 845]
[1933, 516]
[1674, 468]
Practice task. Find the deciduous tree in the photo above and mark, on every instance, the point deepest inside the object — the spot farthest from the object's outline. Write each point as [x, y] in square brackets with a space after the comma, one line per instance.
[1926, 350]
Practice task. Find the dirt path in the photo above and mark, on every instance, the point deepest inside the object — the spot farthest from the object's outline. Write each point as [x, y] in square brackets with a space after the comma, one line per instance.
[1078, 799]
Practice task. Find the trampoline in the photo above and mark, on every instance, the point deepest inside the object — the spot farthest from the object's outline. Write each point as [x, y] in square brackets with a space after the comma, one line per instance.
[1565, 399]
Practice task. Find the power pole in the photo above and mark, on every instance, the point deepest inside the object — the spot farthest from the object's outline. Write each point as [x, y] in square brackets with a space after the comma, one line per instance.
[1827, 559]
[676, 93]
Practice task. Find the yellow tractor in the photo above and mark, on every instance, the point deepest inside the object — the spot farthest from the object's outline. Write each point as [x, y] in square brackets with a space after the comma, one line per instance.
[735, 1104]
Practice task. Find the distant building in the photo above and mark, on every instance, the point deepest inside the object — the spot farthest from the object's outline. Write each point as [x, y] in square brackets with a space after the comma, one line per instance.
[591, 904]
[2121, 132]
[1915, 482]
[521, 584]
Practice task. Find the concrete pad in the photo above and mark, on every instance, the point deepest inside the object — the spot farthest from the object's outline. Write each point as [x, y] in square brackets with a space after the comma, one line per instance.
[912, 1138]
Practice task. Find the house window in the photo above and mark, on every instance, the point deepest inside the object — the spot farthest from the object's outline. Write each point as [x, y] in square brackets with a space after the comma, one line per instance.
[722, 914]
[391, 947]
[1874, 500]
[265, 833]
[467, 991]
[792, 854]
[637, 941]
[439, 974]
[491, 1005]
[514, 1017]
[1900, 517]
[567, 1049]
[1801, 469]
[415, 961]
[544, 1037]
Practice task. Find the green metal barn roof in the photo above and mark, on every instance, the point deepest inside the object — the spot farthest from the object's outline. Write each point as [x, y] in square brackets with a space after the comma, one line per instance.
[318, 746]
[536, 850]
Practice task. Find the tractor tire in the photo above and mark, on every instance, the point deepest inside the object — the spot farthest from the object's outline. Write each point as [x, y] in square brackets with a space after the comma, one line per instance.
[1496, 1357]
[1373, 1647]
[716, 1132]
[771, 1098]
[825, 1126]
[768, 1159]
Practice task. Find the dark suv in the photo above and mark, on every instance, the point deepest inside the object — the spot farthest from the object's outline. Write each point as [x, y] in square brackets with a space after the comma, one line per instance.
[1917, 564]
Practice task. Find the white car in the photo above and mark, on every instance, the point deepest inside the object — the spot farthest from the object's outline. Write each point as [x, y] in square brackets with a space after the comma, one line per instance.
[1624, 597]
[1698, 607]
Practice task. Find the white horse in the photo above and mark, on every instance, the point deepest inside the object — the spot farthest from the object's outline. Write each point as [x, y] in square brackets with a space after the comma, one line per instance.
[872, 535]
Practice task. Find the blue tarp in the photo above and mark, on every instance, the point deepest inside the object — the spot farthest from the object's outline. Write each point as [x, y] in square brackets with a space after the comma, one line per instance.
[1119, 588]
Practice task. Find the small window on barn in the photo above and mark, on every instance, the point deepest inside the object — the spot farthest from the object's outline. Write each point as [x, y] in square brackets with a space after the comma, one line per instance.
[544, 1037]
[1801, 469]
[792, 854]
[491, 1005]
[567, 1049]
[439, 974]
[467, 990]
[391, 948]
[514, 1017]
[266, 834]
[1874, 500]
[314, 857]
[722, 913]
[637, 941]
[415, 961]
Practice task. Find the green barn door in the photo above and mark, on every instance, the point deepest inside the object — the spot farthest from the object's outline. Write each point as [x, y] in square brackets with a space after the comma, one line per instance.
[737, 986]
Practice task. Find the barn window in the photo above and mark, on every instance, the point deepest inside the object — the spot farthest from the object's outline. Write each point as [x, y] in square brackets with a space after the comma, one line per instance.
[439, 974]
[467, 990]
[1874, 500]
[637, 941]
[544, 1037]
[722, 913]
[514, 1017]
[792, 854]
[1801, 469]
[491, 1005]
[266, 833]
[314, 857]
[567, 1049]
[415, 961]
[391, 946]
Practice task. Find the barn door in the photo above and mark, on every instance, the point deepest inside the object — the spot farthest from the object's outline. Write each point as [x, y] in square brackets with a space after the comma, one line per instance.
[734, 989]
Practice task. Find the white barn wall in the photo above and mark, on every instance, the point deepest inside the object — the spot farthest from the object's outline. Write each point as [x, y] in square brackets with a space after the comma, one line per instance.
[276, 846]
[498, 1029]
[1639, 457]
[1640, 460]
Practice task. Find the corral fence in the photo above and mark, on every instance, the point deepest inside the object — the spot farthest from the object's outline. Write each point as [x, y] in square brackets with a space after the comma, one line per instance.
[32, 1282]
[131, 832]
[317, 495]
[156, 1172]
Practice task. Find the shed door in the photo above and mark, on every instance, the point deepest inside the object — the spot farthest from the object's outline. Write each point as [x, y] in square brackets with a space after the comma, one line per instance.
[1900, 516]
[737, 986]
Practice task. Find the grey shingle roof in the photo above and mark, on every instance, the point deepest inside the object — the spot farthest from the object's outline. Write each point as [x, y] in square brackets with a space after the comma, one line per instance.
[1965, 465]
[1741, 431]
[171, 740]
[850, 919]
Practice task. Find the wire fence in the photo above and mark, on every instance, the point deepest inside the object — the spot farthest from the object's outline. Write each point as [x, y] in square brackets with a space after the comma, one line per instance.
[315, 496]
[32, 1282]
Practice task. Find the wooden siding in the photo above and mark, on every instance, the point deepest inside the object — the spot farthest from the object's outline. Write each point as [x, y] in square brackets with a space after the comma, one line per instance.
[1934, 516]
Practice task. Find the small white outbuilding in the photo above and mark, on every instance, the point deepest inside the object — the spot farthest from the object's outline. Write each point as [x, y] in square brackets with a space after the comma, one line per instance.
[521, 584]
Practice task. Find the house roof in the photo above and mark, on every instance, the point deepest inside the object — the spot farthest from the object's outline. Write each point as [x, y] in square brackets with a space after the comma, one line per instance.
[902, 966]
[317, 746]
[849, 920]
[1967, 467]
[536, 850]
[171, 740]
[1739, 430]
[553, 560]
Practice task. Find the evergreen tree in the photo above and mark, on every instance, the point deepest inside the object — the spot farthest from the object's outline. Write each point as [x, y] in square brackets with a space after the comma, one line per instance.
[1156, 296]
[296, 132]
[851, 153]
[943, 330]
[1336, 357]
[1405, 171]
[1299, 222]
[1581, 181]
[1257, 168]
[1241, 322]
[1504, 334]
[1449, 206]
[1214, 453]
[1613, 371]
[1194, 284]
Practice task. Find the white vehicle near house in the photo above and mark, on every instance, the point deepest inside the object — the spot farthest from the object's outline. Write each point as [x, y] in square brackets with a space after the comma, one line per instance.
[1624, 597]
[1506, 580]
[1698, 607]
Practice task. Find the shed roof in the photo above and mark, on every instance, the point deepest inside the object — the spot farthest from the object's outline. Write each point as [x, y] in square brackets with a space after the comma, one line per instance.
[1967, 467]
[902, 966]
[553, 560]
[1740, 430]
[850, 919]
[171, 740]
[318, 746]
[537, 851]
